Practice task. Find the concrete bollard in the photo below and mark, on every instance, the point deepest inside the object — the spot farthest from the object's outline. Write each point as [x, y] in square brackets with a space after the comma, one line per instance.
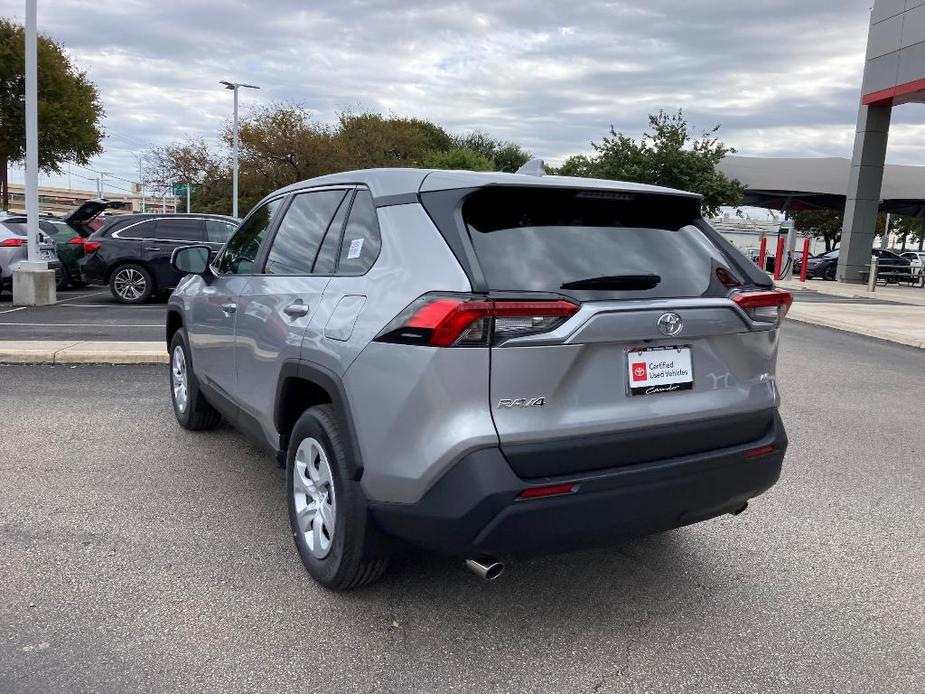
[34, 286]
[872, 280]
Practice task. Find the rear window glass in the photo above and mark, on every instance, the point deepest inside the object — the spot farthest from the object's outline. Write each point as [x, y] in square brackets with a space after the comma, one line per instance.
[16, 227]
[594, 244]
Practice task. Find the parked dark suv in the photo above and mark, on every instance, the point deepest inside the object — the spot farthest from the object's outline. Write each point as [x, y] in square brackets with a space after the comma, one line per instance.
[131, 253]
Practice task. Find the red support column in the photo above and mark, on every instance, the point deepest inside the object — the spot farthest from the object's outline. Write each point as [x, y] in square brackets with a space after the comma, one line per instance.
[779, 259]
[763, 252]
[805, 260]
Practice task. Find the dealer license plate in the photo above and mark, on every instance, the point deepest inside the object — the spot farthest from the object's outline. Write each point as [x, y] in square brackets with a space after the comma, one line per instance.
[659, 370]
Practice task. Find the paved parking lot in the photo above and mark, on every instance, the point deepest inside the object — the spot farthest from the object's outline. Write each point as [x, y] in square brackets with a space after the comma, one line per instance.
[83, 314]
[92, 314]
[135, 556]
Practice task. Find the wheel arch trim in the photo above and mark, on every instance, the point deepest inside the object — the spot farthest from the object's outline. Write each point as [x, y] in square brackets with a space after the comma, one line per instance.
[321, 377]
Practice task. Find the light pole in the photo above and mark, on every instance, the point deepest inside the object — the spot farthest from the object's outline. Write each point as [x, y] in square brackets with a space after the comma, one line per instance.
[234, 86]
[33, 282]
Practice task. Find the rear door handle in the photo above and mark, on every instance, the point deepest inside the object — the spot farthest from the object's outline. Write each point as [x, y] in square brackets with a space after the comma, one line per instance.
[296, 310]
[229, 308]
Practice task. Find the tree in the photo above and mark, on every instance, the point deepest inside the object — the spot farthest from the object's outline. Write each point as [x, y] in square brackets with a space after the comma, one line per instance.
[822, 224]
[667, 155]
[372, 140]
[505, 156]
[69, 109]
[459, 158]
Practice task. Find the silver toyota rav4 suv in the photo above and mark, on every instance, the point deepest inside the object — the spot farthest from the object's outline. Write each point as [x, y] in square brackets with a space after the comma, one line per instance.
[489, 365]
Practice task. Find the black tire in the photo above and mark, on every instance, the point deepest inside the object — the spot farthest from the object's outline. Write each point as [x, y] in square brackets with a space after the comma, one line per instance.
[357, 555]
[142, 284]
[198, 414]
[62, 278]
[829, 273]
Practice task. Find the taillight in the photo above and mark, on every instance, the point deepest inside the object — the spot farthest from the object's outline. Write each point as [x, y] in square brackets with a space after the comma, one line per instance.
[77, 241]
[91, 246]
[442, 320]
[765, 306]
[13, 243]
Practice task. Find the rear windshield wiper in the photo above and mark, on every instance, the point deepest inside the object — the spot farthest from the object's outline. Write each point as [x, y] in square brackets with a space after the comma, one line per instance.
[625, 282]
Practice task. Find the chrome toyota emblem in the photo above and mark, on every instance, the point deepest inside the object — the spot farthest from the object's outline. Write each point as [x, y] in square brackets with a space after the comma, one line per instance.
[670, 324]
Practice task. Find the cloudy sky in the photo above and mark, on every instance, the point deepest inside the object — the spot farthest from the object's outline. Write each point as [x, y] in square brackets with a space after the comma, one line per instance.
[781, 76]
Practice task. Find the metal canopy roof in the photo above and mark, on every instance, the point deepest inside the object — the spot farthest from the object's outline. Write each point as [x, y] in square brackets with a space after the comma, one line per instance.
[821, 183]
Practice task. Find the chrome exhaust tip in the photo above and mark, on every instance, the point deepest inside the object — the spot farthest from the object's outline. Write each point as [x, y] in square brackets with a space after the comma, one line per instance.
[487, 568]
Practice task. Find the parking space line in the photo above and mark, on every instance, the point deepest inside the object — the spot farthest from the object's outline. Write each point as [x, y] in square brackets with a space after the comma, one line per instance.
[10, 310]
[82, 296]
[133, 308]
[84, 325]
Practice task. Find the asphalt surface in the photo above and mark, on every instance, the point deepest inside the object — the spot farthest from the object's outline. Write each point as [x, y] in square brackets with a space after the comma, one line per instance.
[92, 314]
[83, 314]
[135, 556]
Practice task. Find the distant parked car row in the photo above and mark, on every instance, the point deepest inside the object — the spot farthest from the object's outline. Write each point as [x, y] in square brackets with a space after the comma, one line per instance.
[129, 253]
[891, 266]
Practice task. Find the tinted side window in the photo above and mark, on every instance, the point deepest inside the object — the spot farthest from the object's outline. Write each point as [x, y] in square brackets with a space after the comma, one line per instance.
[361, 244]
[241, 249]
[145, 230]
[296, 244]
[330, 247]
[218, 231]
[179, 229]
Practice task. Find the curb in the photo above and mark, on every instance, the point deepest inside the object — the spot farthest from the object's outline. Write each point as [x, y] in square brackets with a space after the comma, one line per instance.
[855, 329]
[83, 352]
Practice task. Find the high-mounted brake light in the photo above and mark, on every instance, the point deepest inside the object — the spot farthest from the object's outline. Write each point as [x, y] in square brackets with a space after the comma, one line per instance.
[441, 320]
[13, 243]
[765, 306]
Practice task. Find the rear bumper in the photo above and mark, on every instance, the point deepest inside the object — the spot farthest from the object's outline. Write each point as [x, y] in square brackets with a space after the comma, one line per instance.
[474, 509]
[93, 269]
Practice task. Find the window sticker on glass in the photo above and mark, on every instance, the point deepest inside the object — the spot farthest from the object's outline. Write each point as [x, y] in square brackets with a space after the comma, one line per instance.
[356, 247]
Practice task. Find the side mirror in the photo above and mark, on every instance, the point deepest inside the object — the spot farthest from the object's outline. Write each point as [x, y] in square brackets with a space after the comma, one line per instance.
[191, 260]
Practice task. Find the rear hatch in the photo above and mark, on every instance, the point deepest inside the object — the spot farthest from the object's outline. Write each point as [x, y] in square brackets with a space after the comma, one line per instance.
[655, 361]
[82, 217]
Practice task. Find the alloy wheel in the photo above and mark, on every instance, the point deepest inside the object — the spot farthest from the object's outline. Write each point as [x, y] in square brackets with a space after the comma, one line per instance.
[178, 379]
[129, 283]
[313, 491]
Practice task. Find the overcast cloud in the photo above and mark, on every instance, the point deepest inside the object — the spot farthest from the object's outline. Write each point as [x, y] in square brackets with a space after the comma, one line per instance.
[781, 76]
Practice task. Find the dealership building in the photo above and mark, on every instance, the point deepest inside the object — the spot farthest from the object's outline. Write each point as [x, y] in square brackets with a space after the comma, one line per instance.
[894, 75]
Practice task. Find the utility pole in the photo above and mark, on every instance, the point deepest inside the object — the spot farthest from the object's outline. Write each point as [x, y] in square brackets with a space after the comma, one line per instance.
[188, 185]
[141, 181]
[234, 86]
[33, 282]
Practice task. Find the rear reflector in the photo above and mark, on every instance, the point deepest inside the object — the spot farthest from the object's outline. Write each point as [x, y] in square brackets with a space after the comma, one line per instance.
[13, 243]
[759, 452]
[442, 320]
[551, 490]
[765, 306]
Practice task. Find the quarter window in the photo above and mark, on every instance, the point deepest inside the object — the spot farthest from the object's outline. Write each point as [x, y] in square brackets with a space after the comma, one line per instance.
[178, 229]
[361, 243]
[296, 244]
[145, 230]
[241, 250]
